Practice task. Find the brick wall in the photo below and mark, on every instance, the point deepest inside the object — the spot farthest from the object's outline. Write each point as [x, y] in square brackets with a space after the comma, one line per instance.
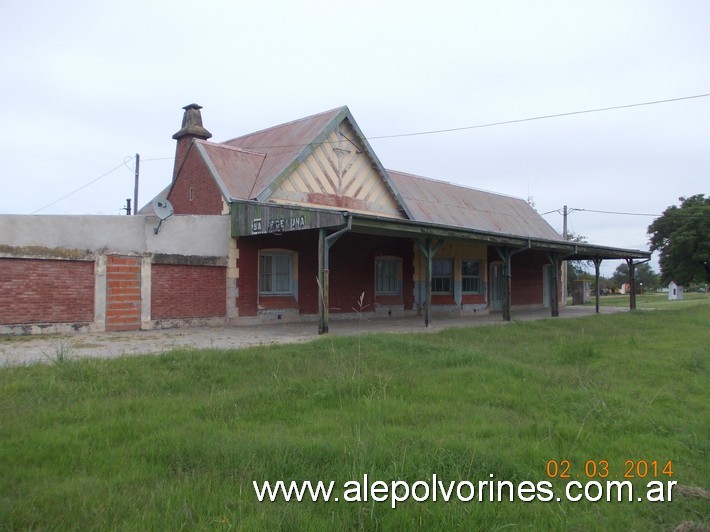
[248, 281]
[182, 291]
[527, 277]
[352, 269]
[304, 243]
[206, 197]
[45, 291]
[123, 293]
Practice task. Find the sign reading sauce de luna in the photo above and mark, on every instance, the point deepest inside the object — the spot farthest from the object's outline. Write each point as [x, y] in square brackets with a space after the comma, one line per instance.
[259, 219]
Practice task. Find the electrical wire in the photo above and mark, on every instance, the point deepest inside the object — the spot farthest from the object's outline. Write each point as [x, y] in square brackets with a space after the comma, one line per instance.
[622, 213]
[431, 132]
[123, 163]
[571, 210]
[543, 117]
[502, 123]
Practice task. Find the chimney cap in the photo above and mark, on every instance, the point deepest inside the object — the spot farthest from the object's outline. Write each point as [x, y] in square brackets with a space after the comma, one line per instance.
[192, 123]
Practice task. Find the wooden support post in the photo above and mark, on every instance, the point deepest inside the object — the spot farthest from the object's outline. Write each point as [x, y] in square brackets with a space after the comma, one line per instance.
[427, 290]
[554, 284]
[322, 292]
[597, 264]
[555, 270]
[632, 284]
[428, 250]
[506, 255]
[508, 270]
[324, 244]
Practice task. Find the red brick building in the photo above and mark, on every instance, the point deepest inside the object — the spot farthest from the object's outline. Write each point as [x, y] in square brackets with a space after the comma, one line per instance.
[318, 222]
[295, 222]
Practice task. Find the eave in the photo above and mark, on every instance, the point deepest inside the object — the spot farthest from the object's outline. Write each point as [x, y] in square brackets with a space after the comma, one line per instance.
[394, 227]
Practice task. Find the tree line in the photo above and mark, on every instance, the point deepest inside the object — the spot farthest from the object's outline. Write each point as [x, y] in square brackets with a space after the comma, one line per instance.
[681, 236]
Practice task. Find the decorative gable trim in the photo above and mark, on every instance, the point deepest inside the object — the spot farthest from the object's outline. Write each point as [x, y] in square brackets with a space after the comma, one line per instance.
[359, 143]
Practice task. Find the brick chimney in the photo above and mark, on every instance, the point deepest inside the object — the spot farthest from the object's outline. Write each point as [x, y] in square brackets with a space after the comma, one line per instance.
[191, 128]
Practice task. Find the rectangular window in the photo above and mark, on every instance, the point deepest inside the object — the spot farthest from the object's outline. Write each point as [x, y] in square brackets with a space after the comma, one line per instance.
[471, 276]
[275, 273]
[441, 276]
[386, 276]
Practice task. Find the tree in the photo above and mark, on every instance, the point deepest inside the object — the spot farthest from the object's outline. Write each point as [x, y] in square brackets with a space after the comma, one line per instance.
[682, 236]
[643, 273]
[577, 269]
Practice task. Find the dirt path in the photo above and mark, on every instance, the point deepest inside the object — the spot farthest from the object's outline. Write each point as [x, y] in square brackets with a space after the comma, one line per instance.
[19, 350]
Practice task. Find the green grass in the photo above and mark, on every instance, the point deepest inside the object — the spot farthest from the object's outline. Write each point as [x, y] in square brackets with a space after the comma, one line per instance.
[651, 300]
[174, 441]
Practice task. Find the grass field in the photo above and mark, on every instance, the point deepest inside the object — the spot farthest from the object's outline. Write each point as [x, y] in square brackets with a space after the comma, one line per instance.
[651, 300]
[174, 441]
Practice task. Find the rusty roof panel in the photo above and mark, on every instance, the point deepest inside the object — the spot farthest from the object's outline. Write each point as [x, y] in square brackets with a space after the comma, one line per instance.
[282, 145]
[236, 170]
[249, 165]
[445, 203]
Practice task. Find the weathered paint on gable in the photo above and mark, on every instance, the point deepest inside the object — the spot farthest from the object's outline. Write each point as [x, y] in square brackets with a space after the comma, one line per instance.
[339, 173]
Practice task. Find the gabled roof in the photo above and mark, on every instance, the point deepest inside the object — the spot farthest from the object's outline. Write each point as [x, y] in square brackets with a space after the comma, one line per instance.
[251, 167]
[236, 171]
[282, 145]
[444, 203]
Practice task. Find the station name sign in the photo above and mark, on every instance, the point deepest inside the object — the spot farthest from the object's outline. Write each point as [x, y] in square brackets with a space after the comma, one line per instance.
[261, 219]
[278, 225]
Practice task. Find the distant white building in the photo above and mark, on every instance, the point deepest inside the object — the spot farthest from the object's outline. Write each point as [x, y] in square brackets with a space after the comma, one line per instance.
[675, 291]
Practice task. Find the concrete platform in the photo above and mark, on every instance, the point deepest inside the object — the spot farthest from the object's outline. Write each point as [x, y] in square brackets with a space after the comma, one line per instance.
[19, 350]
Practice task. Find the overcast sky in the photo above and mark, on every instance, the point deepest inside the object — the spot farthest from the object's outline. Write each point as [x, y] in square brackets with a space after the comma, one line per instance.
[88, 84]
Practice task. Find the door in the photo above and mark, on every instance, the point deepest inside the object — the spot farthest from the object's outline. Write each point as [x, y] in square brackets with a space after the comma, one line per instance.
[498, 281]
[546, 271]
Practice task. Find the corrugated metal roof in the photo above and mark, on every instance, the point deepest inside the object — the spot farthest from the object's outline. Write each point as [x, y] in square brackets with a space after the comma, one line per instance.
[445, 203]
[247, 167]
[235, 170]
[281, 145]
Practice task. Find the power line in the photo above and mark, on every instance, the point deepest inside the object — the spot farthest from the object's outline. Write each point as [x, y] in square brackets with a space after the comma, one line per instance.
[543, 117]
[572, 209]
[615, 212]
[431, 132]
[505, 122]
[123, 163]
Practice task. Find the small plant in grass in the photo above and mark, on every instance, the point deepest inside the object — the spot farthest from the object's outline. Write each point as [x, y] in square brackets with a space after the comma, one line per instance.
[63, 351]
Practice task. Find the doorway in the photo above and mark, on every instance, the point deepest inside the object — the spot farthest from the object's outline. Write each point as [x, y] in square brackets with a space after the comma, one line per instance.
[546, 272]
[498, 283]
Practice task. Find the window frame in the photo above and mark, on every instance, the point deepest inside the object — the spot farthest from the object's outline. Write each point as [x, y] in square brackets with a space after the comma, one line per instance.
[449, 277]
[394, 264]
[465, 277]
[279, 255]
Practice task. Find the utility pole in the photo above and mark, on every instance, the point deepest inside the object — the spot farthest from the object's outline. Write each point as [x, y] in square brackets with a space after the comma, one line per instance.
[135, 186]
[564, 222]
[564, 263]
[127, 208]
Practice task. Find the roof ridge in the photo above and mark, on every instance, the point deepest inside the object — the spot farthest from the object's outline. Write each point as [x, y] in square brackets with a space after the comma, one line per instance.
[467, 187]
[252, 133]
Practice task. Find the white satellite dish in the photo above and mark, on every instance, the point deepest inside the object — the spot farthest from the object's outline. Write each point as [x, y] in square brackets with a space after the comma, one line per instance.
[163, 209]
